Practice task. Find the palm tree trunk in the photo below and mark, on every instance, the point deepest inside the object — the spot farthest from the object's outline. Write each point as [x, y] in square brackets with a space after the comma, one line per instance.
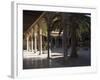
[74, 40]
[64, 43]
[65, 24]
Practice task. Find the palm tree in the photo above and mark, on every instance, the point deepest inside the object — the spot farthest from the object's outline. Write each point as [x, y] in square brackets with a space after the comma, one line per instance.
[73, 27]
[79, 23]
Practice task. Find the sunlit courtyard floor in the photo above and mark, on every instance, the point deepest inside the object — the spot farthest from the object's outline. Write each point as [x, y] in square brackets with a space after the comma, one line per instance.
[33, 60]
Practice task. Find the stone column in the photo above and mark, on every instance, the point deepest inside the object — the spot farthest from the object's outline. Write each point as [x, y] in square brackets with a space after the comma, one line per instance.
[40, 41]
[35, 41]
[32, 41]
[55, 42]
[32, 44]
[27, 43]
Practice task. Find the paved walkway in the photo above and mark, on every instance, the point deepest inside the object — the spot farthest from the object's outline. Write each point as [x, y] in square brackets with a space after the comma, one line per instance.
[57, 60]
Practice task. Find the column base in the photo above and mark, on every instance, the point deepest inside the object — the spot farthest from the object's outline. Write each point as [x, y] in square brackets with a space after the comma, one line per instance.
[40, 52]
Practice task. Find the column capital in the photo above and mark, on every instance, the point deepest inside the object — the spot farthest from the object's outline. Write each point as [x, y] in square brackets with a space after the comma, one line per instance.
[40, 31]
[35, 34]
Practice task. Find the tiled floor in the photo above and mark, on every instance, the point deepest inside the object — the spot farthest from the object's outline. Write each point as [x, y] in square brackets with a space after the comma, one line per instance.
[57, 60]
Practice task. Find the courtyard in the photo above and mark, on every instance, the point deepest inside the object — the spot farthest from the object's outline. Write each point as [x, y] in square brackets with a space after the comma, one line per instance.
[56, 39]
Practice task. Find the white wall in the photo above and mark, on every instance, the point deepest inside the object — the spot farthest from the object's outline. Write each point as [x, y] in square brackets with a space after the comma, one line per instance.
[5, 38]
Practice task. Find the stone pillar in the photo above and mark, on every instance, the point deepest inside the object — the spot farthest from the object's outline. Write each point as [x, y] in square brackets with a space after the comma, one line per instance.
[40, 41]
[27, 43]
[32, 44]
[35, 41]
[55, 42]
[32, 41]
